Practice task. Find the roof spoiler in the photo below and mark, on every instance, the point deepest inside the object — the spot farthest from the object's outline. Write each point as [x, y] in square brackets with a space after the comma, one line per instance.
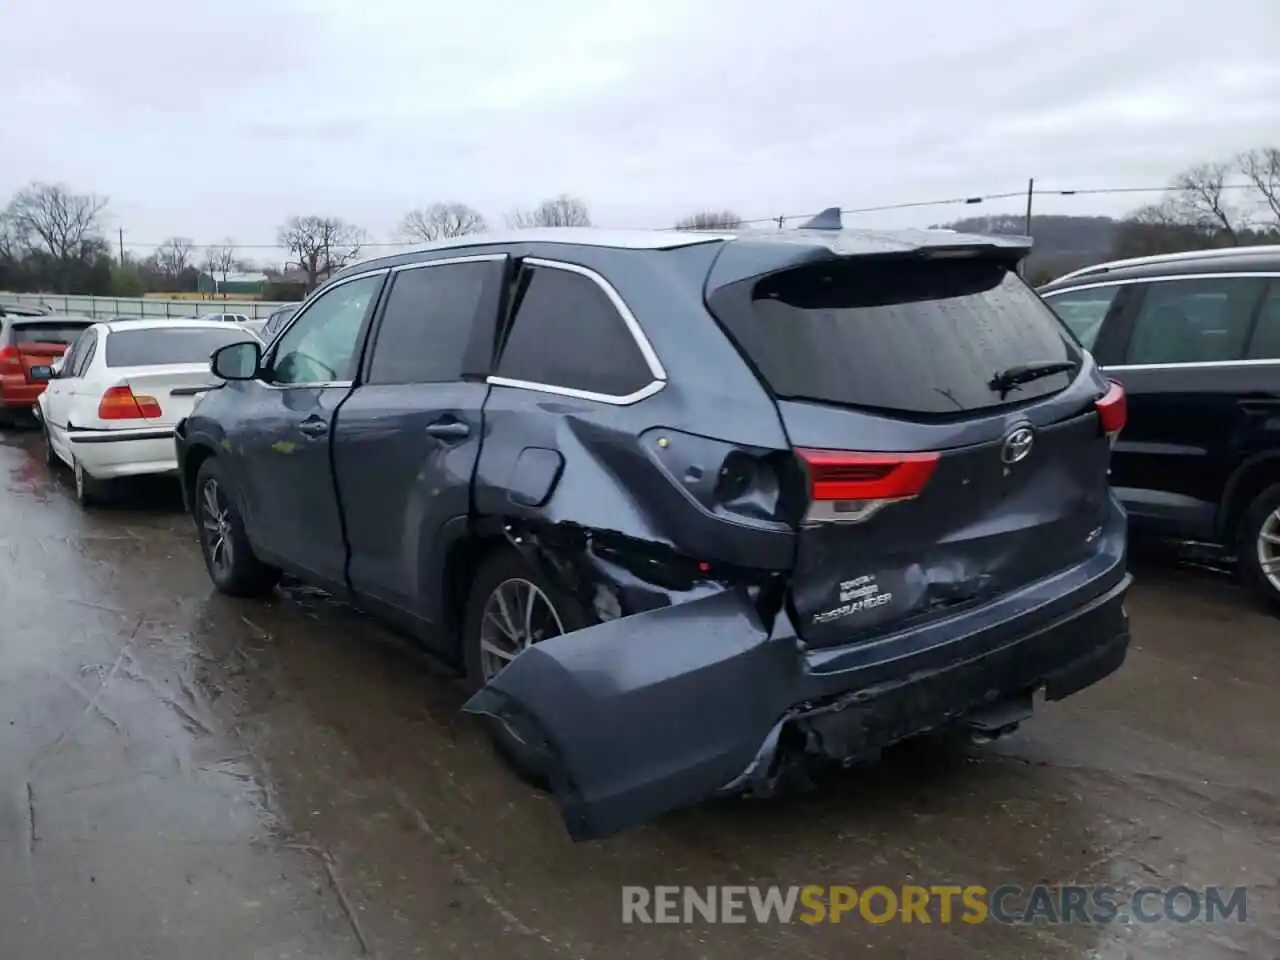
[828, 219]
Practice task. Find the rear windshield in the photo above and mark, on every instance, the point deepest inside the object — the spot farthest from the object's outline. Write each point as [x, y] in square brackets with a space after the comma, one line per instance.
[155, 347]
[64, 332]
[922, 338]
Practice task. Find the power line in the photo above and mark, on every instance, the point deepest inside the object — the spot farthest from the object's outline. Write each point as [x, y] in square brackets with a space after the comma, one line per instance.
[780, 220]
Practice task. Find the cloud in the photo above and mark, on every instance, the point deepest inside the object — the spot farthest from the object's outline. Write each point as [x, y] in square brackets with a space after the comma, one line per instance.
[223, 122]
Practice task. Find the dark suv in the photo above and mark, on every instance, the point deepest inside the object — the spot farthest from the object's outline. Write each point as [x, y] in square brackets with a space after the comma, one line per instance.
[690, 510]
[1195, 339]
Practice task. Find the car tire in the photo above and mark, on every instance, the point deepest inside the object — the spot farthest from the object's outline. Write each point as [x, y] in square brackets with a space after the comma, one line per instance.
[90, 491]
[1257, 554]
[233, 566]
[51, 458]
[507, 573]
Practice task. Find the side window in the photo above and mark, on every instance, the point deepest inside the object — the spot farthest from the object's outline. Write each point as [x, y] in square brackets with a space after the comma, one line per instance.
[321, 347]
[1265, 344]
[1083, 310]
[86, 353]
[1194, 321]
[567, 333]
[427, 322]
[73, 354]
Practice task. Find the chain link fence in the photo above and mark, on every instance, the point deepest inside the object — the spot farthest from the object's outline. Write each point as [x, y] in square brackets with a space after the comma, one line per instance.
[105, 308]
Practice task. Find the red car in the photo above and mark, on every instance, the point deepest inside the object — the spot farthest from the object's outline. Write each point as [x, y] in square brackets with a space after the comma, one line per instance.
[26, 342]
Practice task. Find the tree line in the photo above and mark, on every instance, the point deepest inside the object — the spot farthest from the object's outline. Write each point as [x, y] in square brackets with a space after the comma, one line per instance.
[53, 239]
[1221, 203]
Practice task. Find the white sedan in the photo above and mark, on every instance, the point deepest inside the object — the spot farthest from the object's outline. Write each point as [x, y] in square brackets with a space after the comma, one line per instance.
[114, 397]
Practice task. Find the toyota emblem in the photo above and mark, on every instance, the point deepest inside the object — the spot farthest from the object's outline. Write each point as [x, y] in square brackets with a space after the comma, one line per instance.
[1017, 446]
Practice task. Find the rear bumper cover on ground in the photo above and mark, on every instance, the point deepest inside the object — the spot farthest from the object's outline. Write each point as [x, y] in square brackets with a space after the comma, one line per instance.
[667, 708]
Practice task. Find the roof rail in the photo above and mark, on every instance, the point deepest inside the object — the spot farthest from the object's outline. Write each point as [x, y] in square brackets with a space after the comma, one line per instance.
[1158, 258]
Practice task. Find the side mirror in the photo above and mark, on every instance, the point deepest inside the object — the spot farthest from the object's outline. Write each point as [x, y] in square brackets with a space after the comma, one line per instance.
[237, 361]
[41, 372]
[56, 368]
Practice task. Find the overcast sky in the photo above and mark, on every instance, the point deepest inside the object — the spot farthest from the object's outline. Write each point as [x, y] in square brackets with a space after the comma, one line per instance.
[216, 120]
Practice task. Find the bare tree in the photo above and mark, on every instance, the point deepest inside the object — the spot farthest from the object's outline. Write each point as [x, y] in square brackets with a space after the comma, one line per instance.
[322, 245]
[9, 240]
[51, 219]
[1261, 168]
[561, 211]
[441, 220]
[173, 256]
[220, 261]
[710, 220]
[1199, 199]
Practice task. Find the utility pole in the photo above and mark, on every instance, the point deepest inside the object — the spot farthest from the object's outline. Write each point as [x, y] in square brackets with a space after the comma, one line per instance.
[122, 246]
[1026, 226]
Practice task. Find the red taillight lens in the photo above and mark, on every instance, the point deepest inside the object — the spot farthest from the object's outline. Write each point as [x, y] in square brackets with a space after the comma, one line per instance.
[847, 487]
[120, 403]
[1113, 410]
[10, 357]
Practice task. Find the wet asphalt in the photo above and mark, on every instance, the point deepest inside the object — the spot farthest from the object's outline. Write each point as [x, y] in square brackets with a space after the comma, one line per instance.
[187, 776]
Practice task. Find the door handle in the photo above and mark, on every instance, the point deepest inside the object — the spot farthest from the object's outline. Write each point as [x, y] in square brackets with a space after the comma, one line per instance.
[314, 427]
[449, 429]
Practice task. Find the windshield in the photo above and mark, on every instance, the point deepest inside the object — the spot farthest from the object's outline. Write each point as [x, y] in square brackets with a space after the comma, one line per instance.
[157, 346]
[921, 337]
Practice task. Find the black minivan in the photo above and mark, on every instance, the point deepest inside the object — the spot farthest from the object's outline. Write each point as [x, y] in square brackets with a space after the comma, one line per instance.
[1195, 339]
[691, 511]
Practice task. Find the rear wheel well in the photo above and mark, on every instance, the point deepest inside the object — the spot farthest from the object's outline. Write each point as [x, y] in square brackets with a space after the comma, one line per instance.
[196, 456]
[460, 567]
[1251, 481]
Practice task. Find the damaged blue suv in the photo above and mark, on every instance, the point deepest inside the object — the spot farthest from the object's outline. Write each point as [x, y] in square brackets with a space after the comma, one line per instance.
[691, 511]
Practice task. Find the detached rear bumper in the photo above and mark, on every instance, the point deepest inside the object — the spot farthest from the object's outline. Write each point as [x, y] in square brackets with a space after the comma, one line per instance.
[1060, 659]
[666, 708]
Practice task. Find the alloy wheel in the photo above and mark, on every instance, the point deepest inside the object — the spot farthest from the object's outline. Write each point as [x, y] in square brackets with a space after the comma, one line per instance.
[517, 614]
[215, 523]
[1268, 547]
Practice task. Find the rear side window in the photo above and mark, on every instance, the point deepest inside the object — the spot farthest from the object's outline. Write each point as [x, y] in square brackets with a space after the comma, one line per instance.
[45, 332]
[86, 355]
[427, 323]
[157, 346]
[1265, 344]
[568, 333]
[1084, 310]
[1194, 320]
[923, 338]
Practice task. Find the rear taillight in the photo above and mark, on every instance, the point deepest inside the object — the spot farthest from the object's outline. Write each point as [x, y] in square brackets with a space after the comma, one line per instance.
[10, 358]
[1113, 411]
[847, 487]
[121, 403]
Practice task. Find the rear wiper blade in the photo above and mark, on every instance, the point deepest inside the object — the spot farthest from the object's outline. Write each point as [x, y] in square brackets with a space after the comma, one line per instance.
[1014, 377]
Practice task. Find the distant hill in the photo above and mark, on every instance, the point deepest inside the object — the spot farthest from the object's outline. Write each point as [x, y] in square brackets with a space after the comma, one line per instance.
[1062, 243]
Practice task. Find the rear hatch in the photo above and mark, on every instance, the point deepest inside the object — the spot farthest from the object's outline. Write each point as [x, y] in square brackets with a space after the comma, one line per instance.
[948, 447]
[38, 342]
[161, 372]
